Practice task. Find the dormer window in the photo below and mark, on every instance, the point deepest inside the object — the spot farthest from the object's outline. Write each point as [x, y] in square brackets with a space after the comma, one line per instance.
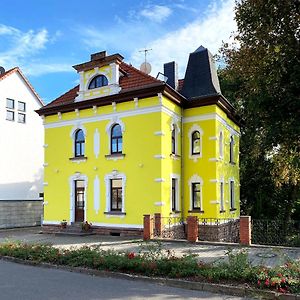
[98, 82]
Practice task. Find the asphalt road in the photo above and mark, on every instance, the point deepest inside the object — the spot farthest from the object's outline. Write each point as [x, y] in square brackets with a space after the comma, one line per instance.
[24, 282]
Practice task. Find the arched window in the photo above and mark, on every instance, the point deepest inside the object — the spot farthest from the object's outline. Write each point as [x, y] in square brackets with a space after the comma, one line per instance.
[221, 144]
[231, 150]
[173, 140]
[79, 143]
[196, 142]
[116, 139]
[98, 81]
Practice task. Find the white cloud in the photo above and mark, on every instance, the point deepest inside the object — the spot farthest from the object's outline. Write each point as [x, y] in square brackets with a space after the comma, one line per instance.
[22, 48]
[216, 25]
[156, 13]
[41, 69]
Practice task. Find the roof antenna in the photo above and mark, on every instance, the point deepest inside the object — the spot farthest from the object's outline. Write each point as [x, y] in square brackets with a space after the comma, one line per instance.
[145, 66]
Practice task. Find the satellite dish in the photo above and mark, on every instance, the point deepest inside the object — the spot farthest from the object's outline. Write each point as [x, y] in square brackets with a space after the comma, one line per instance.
[145, 67]
[2, 70]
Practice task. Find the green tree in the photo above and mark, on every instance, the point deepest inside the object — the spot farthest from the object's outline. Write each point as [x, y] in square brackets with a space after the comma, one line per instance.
[261, 77]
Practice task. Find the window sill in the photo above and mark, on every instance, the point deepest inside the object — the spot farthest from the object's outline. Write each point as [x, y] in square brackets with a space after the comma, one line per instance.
[175, 212]
[175, 156]
[115, 156]
[232, 209]
[115, 213]
[196, 211]
[232, 163]
[78, 158]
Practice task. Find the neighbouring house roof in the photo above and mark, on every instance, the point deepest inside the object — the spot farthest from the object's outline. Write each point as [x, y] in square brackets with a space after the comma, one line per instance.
[17, 70]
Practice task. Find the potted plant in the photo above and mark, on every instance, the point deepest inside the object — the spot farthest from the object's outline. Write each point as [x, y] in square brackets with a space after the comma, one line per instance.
[86, 226]
[63, 224]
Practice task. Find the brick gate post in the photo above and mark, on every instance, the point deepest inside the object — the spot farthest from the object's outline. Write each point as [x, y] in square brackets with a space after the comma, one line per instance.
[192, 229]
[245, 230]
[148, 228]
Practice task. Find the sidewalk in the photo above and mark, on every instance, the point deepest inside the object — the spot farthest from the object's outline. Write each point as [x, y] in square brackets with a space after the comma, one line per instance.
[268, 256]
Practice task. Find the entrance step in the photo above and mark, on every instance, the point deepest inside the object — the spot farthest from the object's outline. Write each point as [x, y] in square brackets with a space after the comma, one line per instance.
[74, 230]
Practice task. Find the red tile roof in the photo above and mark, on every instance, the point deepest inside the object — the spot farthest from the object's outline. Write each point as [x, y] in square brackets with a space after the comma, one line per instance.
[17, 69]
[132, 79]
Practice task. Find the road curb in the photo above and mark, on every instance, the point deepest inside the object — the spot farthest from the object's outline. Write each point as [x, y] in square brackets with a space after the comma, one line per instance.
[240, 291]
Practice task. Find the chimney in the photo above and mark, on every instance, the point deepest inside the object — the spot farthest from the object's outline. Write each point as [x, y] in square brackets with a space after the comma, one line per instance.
[2, 70]
[98, 55]
[171, 71]
[201, 77]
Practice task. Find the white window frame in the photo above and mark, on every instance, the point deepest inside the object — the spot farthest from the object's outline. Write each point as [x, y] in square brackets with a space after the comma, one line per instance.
[195, 127]
[174, 124]
[107, 179]
[72, 135]
[231, 149]
[222, 202]
[177, 189]
[109, 127]
[232, 195]
[196, 179]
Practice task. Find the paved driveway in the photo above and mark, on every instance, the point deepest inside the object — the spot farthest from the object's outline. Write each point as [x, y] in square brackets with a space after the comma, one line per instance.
[269, 256]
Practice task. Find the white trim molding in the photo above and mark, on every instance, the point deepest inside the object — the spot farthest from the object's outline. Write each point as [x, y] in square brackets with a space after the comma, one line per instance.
[114, 175]
[96, 143]
[159, 156]
[133, 226]
[159, 133]
[159, 180]
[193, 128]
[211, 116]
[221, 144]
[159, 203]
[96, 194]
[195, 179]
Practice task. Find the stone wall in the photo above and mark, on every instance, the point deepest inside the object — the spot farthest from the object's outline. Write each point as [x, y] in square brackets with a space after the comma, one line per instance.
[20, 213]
[225, 232]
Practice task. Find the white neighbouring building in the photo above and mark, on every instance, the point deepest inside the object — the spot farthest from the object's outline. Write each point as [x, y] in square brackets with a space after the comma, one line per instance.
[21, 138]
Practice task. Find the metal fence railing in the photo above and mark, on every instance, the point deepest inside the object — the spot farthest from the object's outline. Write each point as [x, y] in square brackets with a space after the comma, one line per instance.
[276, 232]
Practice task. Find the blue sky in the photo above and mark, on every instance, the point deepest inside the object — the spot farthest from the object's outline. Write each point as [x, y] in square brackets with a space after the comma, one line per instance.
[45, 38]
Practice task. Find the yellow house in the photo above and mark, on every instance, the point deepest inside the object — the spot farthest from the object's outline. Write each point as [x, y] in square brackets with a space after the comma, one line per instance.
[123, 144]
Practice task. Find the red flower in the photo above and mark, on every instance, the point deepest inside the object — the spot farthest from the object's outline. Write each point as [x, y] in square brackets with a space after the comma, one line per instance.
[281, 290]
[258, 282]
[267, 282]
[131, 255]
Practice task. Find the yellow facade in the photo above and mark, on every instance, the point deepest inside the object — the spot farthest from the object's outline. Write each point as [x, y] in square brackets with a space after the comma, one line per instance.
[146, 164]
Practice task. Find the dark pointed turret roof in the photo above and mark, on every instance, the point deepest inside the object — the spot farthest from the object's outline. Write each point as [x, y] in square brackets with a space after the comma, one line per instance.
[201, 76]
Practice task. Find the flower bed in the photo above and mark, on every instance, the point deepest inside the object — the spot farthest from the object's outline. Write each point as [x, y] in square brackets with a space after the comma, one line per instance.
[153, 261]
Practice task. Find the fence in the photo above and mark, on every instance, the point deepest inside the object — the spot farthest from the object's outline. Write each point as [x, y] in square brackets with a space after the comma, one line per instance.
[220, 230]
[169, 227]
[242, 230]
[276, 232]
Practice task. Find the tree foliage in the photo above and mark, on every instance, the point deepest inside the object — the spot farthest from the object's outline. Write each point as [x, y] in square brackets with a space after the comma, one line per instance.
[262, 78]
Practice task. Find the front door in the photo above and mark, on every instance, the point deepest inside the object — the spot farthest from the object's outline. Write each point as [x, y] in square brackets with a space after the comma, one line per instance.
[79, 200]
